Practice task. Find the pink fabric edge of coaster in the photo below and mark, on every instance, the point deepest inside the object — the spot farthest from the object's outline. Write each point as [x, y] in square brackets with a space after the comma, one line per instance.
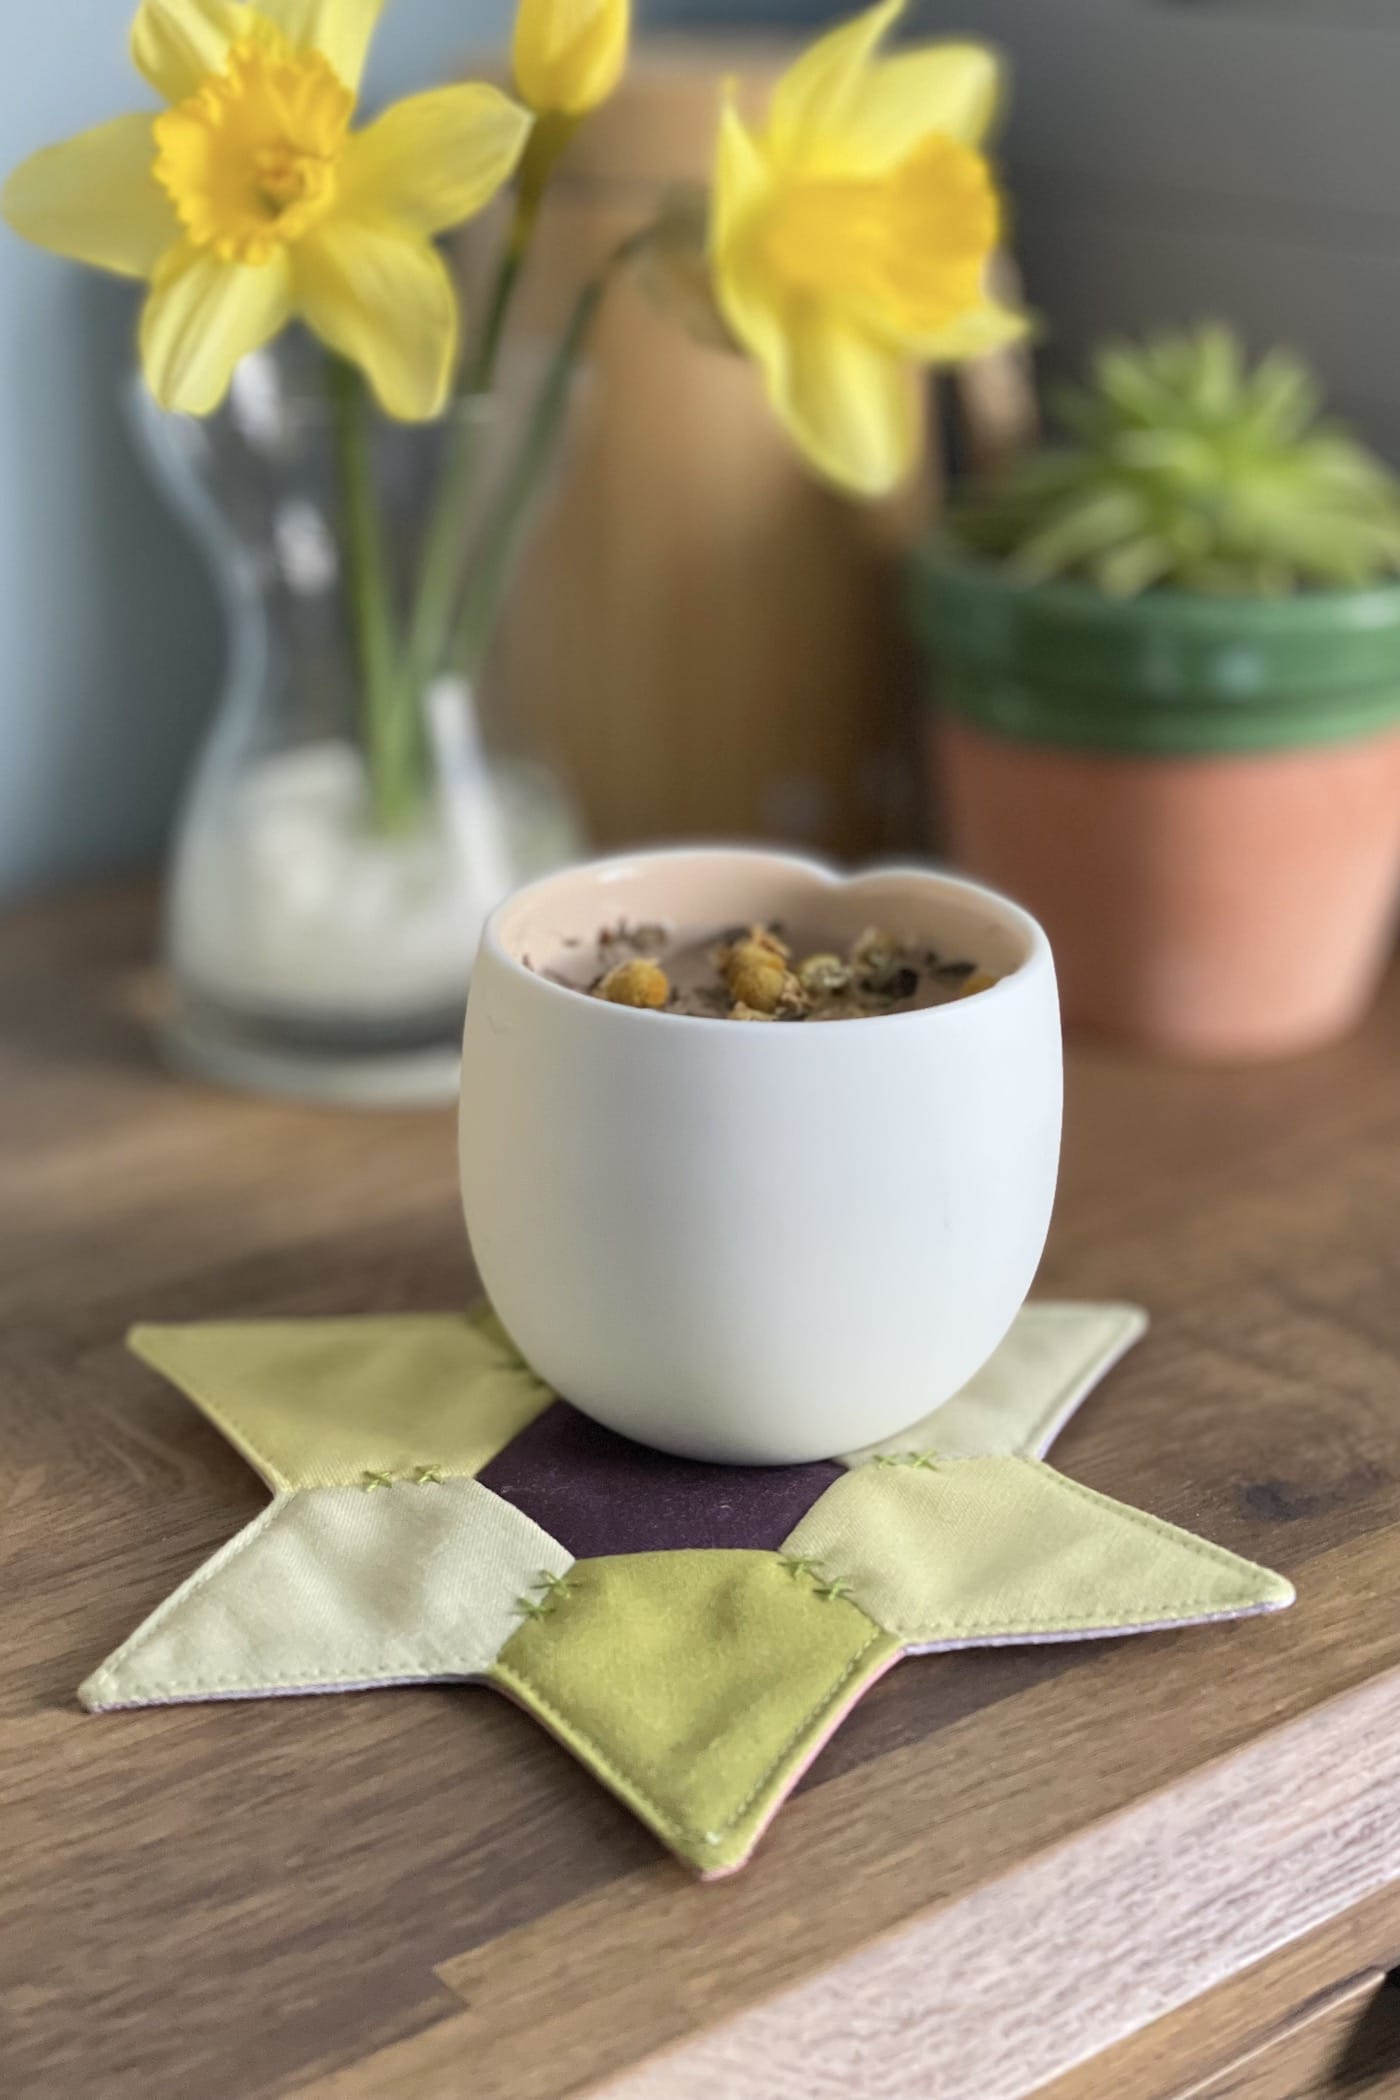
[1102, 1633]
[789, 1781]
[801, 1768]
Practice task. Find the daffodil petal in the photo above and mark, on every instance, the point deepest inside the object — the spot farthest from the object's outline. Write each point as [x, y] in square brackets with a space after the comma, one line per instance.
[432, 161]
[756, 321]
[201, 317]
[340, 29]
[850, 405]
[383, 299]
[816, 97]
[745, 295]
[569, 54]
[175, 43]
[894, 103]
[95, 199]
[741, 180]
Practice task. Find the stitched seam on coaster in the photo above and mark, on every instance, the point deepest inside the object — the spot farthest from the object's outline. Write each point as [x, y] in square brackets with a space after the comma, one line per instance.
[281, 1483]
[1123, 1321]
[243, 1440]
[353, 1672]
[215, 1565]
[1124, 1510]
[1162, 1614]
[1077, 1381]
[215, 1412]
[687, 1833]
[1203, 1548]
[1124, 1328]
[1157, 1525]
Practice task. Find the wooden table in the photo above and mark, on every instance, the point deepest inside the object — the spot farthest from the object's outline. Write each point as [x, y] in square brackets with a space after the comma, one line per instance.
[1006, 1862]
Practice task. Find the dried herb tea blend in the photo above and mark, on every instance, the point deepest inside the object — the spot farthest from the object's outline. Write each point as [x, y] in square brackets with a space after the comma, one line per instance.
[756, 974]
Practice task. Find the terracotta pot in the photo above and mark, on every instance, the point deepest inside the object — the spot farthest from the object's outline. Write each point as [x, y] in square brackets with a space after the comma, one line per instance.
[1200, 800]
[1235, 907]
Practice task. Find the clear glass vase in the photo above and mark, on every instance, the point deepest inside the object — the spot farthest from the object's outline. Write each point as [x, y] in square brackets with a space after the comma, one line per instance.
[320, 931]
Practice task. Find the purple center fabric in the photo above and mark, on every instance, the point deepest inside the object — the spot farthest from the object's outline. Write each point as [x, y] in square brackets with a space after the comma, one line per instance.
[599, 1494]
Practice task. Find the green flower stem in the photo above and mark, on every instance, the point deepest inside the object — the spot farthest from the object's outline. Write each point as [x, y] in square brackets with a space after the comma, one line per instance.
[439, 581]
[507, 531]
[439, 578]
[390, 727]
[547, 142]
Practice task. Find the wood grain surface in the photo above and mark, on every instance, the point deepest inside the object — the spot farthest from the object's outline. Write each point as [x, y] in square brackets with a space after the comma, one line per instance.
[413, 1892]
[1265, 2008]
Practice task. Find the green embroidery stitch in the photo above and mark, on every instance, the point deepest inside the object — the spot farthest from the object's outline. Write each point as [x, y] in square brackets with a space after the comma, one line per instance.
[428, 1476]
[833, 1589]
[370, 1481]
[554, 1587]
[796, 1564]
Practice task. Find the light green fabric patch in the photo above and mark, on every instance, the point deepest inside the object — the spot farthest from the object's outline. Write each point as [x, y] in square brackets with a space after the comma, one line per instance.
[696, 1685]
[334, 1588]
[951, 1553]
[319, 1403]
[1022, 1397]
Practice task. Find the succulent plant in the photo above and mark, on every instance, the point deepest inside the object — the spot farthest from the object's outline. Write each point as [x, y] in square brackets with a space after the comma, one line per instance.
[1186, 468]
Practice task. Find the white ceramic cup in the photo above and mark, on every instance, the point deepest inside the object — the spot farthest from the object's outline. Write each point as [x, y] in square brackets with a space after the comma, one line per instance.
[745, 1242]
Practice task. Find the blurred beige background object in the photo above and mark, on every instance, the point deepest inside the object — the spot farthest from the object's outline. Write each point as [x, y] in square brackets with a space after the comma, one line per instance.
[704, 638]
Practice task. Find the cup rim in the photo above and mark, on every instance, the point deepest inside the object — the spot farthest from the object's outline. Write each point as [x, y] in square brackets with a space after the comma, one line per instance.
[1036, 960]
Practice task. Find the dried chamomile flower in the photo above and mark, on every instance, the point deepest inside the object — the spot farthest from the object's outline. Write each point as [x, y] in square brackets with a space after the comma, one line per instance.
[875, 956]
[760, 936]
[741, 1012]
[636, 983]
[824, 976]
[756, 973]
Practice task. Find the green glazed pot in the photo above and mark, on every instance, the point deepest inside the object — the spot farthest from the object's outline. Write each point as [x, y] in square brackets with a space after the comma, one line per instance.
[1165, 673]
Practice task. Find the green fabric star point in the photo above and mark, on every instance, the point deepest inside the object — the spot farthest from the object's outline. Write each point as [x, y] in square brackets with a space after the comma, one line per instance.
[696, 1683]
[693, 1684]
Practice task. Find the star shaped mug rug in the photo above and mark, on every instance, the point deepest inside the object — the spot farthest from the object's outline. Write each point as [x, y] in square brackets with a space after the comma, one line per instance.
[692, 1633]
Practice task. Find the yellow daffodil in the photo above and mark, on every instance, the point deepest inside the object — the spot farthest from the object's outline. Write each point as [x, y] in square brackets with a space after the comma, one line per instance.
[569, 54]
[850, 241]
[250, 201]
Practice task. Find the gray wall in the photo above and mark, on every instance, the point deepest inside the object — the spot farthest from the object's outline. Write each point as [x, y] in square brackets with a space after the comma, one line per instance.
[1168, 158]
[1234, 157]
